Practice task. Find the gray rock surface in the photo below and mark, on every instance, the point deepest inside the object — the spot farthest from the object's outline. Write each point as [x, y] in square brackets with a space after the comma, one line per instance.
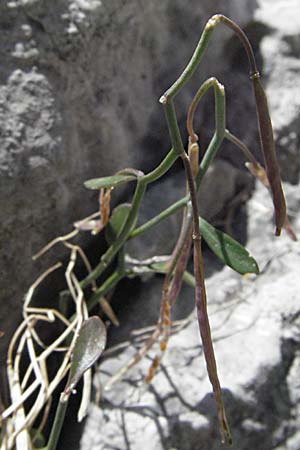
[79, 84]
[256, 331]
[255, 321]
[79, 88]
[281, 50]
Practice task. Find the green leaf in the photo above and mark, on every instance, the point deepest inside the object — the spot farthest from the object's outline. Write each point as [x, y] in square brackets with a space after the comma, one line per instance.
[116, 222]
[88, 347]
[229, 251]
[107, 182]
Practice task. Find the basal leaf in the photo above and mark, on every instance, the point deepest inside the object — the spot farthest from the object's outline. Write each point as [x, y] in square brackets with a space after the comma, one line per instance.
[107, 182]
[229, 251]
[89, 345]
[116, 222]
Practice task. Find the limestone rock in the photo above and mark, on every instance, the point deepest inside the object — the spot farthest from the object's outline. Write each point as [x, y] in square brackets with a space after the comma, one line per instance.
[255, 327]
[280, 50]
[79, 88]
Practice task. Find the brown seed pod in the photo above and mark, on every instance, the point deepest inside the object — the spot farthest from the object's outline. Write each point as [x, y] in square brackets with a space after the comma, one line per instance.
[269, 154]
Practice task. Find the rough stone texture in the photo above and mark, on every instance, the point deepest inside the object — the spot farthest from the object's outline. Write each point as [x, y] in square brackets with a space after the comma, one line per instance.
[78, 98]
[281, 50]
[256, 330]
[79, 84]
[255, 321]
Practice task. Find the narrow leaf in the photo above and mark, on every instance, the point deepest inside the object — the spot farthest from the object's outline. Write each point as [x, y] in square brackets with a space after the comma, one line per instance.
[229, 251]
[88, 348]
[107, 182]
[116, 222]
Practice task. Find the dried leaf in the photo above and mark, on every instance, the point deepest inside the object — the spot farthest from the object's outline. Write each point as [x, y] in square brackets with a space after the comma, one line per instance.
[104, 204]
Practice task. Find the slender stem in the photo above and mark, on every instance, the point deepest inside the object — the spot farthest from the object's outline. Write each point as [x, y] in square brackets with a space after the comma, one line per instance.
[200, 49]
[193, 194]
[171, 287]
[115, 247]
[244, 40]
[201, 303]
[58, 421]
[105, 287]
[161, 216]
[200, 295]
[219, 93]
[193, 63]
[210, 153]
[218, 136]
[248, 155]
[180, 267]
[173, 127]
[142, 183]
[162, 168]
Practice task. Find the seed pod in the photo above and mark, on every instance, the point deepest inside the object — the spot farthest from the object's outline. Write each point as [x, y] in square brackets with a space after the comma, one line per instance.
[269, 154]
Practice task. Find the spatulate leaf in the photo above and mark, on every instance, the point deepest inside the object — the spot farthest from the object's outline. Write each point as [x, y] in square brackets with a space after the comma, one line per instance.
[107, 182]
[229, 251]
[88, 348]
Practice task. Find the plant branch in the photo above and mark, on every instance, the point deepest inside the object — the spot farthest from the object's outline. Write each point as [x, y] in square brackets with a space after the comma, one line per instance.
[137, 198]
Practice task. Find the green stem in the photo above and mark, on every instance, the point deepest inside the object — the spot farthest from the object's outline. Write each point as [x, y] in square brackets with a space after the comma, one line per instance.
[219, 94]
[162, 168]
[141, 185]
[219, 134]
[173, 127]
[115, 247]
[247, 153]
[105, 287]
[192, 65]
[58, 421]
[200, 295]
[200, 49]
[210, 153]
[161, 216]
